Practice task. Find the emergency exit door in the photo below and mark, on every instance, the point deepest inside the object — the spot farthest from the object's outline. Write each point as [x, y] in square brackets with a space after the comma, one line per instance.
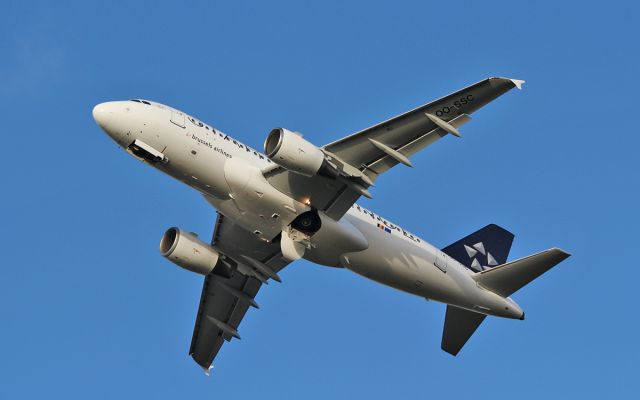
[177, 118]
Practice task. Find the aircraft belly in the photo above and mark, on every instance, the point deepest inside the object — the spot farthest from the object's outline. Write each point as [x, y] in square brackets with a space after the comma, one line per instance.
[334, 239]
[261, 208]
[401, 264]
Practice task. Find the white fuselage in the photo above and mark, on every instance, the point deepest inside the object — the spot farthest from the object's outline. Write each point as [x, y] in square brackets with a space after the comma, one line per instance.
[229, 175]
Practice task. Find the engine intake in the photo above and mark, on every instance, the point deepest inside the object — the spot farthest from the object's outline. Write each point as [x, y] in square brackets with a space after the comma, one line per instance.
[187, 251]
[291, 151]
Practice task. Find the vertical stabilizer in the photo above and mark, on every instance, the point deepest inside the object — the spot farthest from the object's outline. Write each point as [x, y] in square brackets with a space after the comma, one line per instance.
[483, 249]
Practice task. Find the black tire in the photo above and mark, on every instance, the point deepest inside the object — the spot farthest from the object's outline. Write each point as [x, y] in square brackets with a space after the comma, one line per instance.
[308, 222]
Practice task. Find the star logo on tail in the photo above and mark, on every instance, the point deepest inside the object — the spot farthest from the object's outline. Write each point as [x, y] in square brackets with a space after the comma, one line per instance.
[482, 259]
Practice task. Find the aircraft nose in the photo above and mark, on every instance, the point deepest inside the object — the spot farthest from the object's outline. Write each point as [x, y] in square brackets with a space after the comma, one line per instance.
[101, 113]
[112, 117]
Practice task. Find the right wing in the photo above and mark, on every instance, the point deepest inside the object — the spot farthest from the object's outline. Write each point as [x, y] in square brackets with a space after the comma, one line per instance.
[377, 149]
[227, 293]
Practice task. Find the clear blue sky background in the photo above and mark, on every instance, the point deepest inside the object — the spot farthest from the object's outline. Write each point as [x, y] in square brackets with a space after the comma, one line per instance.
[88, 308]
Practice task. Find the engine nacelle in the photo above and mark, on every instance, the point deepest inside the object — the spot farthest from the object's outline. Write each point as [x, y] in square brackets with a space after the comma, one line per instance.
[291, 151]
[187, 251]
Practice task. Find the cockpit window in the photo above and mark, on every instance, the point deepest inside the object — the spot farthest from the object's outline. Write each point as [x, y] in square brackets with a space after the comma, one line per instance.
[137, 101]
[146, 102]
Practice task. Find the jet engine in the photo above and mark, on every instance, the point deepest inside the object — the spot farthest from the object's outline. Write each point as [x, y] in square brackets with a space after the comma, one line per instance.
[187, 251]
[289, 150]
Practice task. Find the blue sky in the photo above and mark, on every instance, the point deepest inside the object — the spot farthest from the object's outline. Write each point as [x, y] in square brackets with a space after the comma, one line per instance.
[89, 308]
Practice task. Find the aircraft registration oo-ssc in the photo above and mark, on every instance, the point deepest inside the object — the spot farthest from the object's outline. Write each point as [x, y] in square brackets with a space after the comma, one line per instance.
[297, 200]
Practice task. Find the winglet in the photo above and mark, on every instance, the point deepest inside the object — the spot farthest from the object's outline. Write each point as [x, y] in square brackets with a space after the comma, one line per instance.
[207, 371]
[517, 82]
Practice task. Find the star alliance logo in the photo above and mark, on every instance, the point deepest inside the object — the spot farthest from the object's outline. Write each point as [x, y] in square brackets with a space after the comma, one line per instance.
[482, 259]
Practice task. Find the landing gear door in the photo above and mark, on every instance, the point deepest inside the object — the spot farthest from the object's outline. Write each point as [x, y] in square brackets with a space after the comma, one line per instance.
[441, 262]
[177, 118]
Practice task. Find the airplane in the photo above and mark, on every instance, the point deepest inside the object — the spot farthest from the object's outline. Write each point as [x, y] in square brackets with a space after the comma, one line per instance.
[297, 200]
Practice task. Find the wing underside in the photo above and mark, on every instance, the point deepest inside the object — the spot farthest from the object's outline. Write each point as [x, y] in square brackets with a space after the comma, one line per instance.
[377, 149]
[229, 291]
[410, 132]
[217, 305]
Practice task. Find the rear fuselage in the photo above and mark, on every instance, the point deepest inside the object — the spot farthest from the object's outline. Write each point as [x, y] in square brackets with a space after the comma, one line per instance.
[229, 174]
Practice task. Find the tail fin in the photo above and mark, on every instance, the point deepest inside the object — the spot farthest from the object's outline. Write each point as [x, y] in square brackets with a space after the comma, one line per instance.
[483, 249]
[459, 325]
[506, 279]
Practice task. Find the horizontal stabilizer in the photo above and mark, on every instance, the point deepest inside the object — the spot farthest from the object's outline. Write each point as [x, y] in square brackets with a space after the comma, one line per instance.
[506, 279]
[459, 325]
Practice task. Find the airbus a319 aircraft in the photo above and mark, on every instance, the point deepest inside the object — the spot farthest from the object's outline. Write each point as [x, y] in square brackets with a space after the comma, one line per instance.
[298, 200]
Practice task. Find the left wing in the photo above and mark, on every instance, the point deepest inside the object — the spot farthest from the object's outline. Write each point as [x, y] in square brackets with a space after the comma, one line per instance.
[228, 293]
[369, 153]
